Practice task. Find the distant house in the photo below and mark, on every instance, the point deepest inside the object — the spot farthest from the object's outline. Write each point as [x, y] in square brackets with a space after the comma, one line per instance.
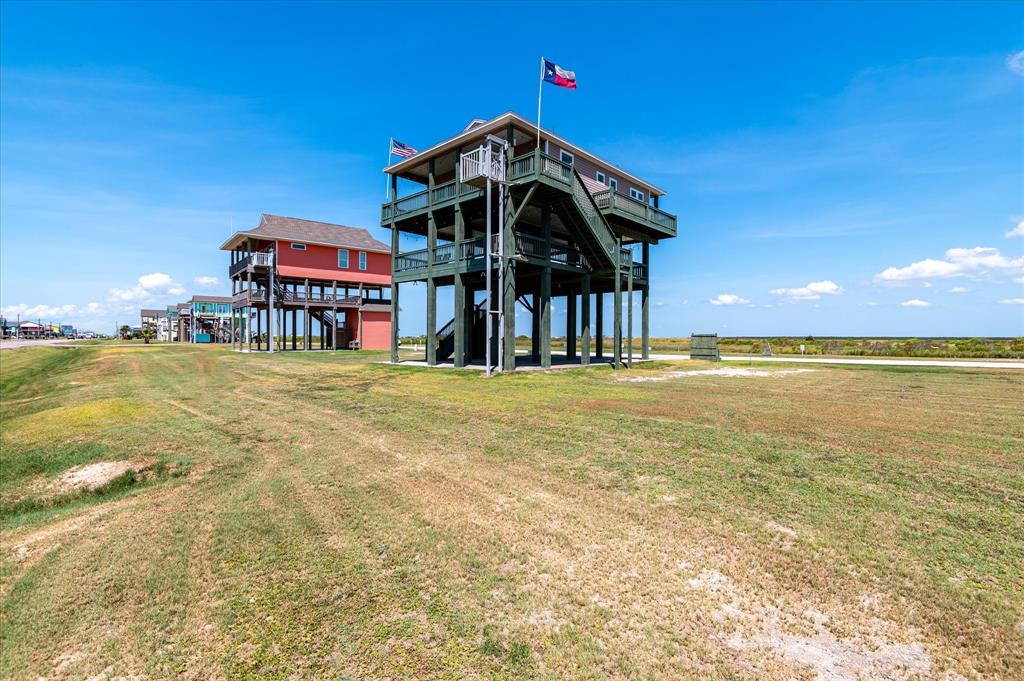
[209, 319]
[332, 275]
[31, 330]
[155, 321]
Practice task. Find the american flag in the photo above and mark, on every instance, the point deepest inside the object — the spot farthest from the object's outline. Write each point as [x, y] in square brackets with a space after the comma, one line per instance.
[403, 150]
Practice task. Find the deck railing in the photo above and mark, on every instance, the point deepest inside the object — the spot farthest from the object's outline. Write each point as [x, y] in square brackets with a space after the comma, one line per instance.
[609, 200]
[444, 253]
[481, 162]
[443, 192]
[259, 259]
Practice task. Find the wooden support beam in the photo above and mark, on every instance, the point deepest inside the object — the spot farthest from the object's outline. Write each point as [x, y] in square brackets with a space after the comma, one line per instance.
[617, 308]
[545, 292]
[570, 326]
[394, 285]
[459, 304]
[585, 321]
[535, 328]
[629, 315]
[645, 302]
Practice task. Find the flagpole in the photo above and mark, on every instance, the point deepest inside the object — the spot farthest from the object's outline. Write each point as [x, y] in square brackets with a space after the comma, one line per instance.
[540, 89]
[387, 179]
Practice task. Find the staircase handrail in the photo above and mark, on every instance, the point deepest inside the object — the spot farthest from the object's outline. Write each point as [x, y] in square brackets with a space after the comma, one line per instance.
[594, 217]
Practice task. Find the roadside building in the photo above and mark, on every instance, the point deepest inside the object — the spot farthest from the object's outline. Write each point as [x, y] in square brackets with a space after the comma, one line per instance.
[301, 285]
[29, 329]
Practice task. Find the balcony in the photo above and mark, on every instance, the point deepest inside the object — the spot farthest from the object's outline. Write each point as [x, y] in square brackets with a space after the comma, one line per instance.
[251, 262]
[470, 255]
[289, 298]
[523, 169]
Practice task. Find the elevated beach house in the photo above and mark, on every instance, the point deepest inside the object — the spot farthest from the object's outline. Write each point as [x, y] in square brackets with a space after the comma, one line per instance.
[303, 285]
[517, 218]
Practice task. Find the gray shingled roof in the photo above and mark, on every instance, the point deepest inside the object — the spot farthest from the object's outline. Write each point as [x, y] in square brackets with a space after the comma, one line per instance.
[211, 299]
[153, 313]
[312, 232]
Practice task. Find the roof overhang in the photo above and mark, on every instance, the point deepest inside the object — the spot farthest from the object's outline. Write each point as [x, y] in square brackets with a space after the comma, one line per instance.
[405, 167]
[238, 237]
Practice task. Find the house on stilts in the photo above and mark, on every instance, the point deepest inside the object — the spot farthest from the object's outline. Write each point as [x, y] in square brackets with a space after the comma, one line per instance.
[512, 216]
[304, 285]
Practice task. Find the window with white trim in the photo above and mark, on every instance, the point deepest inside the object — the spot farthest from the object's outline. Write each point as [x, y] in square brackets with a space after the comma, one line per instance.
[362, 260]
[298, 247]
[636, 194]
[601, 177]
[567, 157]
[342, 259]
[614, 184]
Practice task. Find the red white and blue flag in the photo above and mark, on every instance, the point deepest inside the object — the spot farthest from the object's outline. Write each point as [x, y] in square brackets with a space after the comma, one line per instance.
[553, 73]
[403, 150]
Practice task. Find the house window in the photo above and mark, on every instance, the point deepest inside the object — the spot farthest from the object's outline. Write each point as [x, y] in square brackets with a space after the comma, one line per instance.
[614, 184]
[636, 194]
[362, 260]
[601, 178]
[567, 158]
[298, 247]
[342, 259]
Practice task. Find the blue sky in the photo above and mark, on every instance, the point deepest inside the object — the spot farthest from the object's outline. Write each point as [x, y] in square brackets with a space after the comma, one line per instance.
[837, 169]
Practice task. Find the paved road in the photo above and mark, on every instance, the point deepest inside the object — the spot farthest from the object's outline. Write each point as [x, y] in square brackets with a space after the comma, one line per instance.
[25, 342]
[966, 363]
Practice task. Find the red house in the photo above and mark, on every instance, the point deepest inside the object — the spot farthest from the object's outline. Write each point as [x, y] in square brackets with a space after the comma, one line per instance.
[303, 285]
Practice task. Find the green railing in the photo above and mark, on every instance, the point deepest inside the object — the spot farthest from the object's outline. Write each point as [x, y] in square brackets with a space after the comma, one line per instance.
[444, 253]
[610, 200]
[522, 166]
[443, 192]
[472, 249]
[588, 208]
[411, 260]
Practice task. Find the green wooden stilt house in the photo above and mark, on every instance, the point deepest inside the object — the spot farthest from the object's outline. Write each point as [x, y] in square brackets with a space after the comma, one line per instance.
[512, 218]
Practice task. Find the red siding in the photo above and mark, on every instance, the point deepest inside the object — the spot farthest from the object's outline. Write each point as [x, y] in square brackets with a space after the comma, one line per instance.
[321, 262]
[376, 330]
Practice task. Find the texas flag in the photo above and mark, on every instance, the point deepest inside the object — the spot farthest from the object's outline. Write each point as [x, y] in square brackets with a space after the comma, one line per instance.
[553, 73]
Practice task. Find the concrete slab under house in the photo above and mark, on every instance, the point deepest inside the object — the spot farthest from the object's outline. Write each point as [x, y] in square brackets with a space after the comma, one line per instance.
[516, 216]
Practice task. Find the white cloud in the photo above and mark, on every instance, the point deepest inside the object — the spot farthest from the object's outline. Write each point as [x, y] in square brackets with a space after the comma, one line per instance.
[207, 282]
[49, 313]
[147, 287]
[155, 280]
[729, 299]
[1012, 301]
[958, 289]
[915, 303]
[959, 262]
[927, 284]
[1015, 62]
[872, 303]
[813, 290]
[1018, 230]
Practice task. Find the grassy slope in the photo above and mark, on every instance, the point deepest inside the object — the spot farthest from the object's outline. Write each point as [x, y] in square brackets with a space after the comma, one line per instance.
[349, 519]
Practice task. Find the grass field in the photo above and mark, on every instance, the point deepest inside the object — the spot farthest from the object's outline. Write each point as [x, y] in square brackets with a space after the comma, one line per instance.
[322, 516]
